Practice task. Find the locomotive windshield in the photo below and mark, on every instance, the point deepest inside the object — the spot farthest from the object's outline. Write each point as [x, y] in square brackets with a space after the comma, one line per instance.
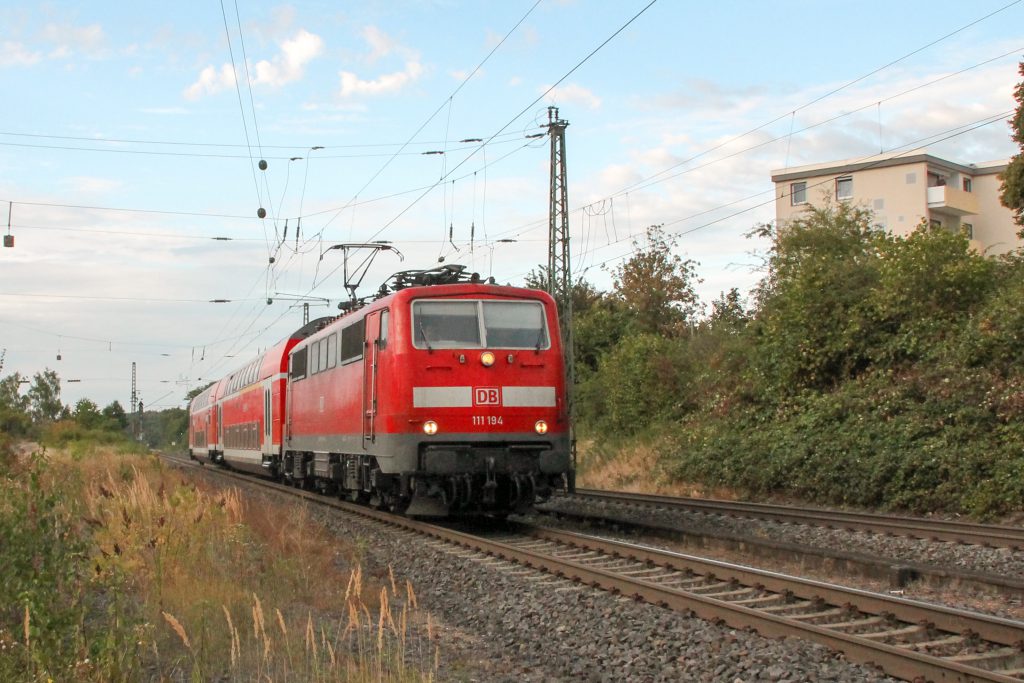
[479, 324]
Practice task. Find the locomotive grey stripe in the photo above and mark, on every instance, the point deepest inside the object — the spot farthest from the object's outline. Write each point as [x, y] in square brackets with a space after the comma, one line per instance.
[462, 397]
[528, 397]
[442, 397]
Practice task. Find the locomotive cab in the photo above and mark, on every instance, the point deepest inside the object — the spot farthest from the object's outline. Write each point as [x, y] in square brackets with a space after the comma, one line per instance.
[432, 400]
[487, 397]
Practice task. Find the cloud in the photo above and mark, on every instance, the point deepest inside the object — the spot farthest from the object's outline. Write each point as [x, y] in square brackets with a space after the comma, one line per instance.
[92, 185]
[573, 94]
[351, 84]
[290, 65]
[287, 66]
[211, 82]
[701, 93]
[69, 41]
[381, 45]
[164, 110]
[16, 54]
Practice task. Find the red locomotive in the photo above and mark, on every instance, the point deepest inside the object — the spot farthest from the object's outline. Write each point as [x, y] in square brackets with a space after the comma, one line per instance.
[444, 396]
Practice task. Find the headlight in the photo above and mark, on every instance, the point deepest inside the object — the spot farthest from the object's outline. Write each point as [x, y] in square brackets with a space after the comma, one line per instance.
[487, 358]
[430, 427]
[541, 427]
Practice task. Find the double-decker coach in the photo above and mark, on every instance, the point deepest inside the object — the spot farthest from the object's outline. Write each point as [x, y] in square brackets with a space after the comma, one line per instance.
[238, 421]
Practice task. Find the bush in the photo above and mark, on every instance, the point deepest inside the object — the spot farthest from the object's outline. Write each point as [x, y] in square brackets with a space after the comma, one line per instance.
[42, 603]
[645, 380]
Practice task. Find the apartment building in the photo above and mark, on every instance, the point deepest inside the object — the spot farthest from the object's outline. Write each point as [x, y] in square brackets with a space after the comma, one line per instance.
[901, 190]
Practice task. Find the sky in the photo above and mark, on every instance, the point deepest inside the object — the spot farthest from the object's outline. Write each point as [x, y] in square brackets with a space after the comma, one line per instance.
[131, 136]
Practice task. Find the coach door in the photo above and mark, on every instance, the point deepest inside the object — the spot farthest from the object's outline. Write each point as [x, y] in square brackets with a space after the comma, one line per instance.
[371, 352]
[268, 418]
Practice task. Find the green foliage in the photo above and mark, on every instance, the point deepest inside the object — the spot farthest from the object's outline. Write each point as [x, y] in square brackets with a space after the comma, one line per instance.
[44, 397]
[872, 370]
[597, 331]
[41, 559]
[1012, 189]
[584, 295]
[87, 414]
[927, 282]
[14, 417]
[80, 439]
[811, 318]
[115, 415]
[993, 337]
[644, 380]
[656, 286]
[923, 442]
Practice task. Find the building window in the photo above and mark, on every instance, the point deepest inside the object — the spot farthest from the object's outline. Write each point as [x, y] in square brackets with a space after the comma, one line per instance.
[935, 224]
[844, 187]
[967, 229]
[967, 185]
[798, 193]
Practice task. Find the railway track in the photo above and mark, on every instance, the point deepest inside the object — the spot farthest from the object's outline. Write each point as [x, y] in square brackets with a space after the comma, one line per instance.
[990, 535]
[907, 639]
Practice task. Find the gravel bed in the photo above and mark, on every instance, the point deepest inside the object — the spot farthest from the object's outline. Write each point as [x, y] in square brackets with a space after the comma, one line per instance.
[503, 622]
[1001, 561]
[998, 561]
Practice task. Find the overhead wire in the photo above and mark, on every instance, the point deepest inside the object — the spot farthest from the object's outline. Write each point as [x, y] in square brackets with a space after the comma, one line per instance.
[520, 114]
[430, 118]
[654, 180]
[182, 143]
[913, 146]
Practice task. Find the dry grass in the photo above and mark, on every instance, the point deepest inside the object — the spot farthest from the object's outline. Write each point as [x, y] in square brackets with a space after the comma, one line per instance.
[636, 469]
[242, 592]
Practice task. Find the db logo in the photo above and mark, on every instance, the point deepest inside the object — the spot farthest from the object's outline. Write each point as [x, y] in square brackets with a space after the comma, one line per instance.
[486, 396]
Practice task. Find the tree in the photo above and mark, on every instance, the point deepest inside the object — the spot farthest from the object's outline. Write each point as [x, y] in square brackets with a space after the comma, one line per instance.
[812, 303]
[115, 415]
[584, 294]
[727, 311]
[192, 394]
[10, 393]
[44, 397]
[87, 414]
[656, 286]
[1012, 190]
[14, 418]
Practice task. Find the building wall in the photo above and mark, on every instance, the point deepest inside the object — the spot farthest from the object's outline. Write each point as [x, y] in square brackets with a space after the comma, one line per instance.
[994, 228]
[896, 195]
[895, 189]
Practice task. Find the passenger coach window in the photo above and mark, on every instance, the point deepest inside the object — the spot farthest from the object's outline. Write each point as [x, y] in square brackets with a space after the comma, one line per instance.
[383, 336]
[324, 347]
[299, 363]
[332, 350]
[352, 338]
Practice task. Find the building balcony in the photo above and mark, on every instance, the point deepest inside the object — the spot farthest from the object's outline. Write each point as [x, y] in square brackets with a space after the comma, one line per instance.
[951, 201]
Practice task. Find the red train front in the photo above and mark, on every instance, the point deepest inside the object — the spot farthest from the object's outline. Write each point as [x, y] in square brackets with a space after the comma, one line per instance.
[433, 400]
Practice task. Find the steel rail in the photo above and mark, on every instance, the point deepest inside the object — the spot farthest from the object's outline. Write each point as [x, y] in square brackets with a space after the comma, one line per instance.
[537, 547]
[993, 535]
